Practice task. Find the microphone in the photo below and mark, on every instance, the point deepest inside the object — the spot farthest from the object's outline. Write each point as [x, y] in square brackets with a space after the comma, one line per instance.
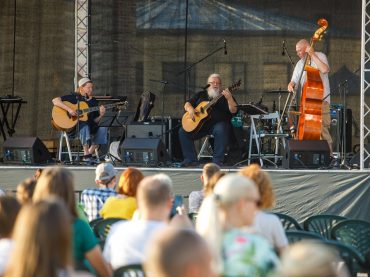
[206, 86]
[225, 49]
[283, 50]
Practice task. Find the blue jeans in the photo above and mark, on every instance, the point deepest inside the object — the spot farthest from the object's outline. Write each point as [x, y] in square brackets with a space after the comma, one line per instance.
[220, 132]
[100, 137]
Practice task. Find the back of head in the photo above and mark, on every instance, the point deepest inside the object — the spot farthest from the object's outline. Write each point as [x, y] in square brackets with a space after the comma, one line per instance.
[129, 181]
[9, 208]
[25, 190]
[209, 187]
[59, 182]
[154, 191]
[43, 240]
[210, 225]
[178, 252]
[104, 173]
[209, 170]
[263, 182]
[308, 259]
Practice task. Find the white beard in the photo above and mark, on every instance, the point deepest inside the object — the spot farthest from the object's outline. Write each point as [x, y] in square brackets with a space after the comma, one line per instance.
[212, 93]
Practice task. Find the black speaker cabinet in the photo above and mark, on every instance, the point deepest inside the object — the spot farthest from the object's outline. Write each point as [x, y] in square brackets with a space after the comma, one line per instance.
[25, 150]
[143, 152]
[306, 154]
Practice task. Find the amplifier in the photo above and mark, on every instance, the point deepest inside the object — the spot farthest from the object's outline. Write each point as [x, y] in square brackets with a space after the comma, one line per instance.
[306, 154]
[143, 152]
[25, 150]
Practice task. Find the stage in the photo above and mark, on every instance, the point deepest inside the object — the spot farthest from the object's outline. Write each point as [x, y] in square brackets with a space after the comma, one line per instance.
[299, 193]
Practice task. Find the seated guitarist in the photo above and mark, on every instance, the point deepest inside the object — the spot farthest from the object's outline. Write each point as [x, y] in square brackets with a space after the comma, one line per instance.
[91, 135]
[217, 123]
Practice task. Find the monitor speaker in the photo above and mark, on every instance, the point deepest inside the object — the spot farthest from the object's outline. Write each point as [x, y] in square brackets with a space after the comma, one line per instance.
[306, 154]
[143, 152]
[355, 160]
[25, 150]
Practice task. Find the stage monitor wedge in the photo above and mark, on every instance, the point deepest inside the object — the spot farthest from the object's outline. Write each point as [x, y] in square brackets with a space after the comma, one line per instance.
[306, 154]
[25, 150]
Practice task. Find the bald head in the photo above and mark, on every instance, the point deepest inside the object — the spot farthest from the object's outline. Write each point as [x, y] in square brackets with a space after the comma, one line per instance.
[154, 191]
[300, 48]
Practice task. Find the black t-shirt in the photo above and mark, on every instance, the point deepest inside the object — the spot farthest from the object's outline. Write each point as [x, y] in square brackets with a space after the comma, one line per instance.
[218, 112]
[73, 97]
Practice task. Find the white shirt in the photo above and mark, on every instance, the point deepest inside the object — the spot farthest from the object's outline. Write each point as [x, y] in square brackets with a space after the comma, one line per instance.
[6, 246]
[324, 77]
[127, 241]
[269, 226]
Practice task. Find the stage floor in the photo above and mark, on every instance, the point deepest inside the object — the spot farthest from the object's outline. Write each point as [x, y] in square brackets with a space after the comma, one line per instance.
[299, 193]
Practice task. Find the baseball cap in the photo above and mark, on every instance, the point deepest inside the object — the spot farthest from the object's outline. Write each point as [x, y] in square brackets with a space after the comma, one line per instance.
[104, 171]
[83, 81]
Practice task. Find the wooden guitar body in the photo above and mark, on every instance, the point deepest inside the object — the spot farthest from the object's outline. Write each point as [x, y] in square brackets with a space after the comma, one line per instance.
[190, 125]
[62, 120]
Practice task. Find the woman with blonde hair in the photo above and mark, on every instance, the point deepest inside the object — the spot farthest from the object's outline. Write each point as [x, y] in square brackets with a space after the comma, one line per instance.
[43, 242]
[266, 224]
[222, 221]
[59, 182]
[124, 204]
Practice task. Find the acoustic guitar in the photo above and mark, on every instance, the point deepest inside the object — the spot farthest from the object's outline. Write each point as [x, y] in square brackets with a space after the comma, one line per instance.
[203, 108]
[62, 120]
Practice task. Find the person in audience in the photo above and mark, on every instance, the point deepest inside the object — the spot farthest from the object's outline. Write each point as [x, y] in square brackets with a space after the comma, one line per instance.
[222, 221]
[196, 197]
[208, 189]
[178, 252]
[124, 204]
[59, 182]
[9, 208]
[266, 224]
[309, 258]
[37, 173]
[127, 240]
[93, 199]
[2, 192]
[43, 242]
[25, 190]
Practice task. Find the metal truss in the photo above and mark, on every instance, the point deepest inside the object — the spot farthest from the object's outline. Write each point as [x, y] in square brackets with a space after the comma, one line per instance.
[82, 39]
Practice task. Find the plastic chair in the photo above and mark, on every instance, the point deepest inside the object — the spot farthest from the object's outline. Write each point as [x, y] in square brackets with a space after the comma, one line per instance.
[93, 222]
[322, 224]
[352, 258]
[134, 270]
[193, 217]
[298, 235]
[355, 233]
[288, 222]
[102, 228]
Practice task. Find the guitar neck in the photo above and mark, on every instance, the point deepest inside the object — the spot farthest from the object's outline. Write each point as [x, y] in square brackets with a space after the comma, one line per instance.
[214, 100]
[94, 109]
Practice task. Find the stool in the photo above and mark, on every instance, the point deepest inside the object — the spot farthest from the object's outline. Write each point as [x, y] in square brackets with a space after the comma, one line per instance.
[206, 150]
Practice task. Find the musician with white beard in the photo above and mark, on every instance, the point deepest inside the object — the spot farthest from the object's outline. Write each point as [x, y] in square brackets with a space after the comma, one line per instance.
[217, 123]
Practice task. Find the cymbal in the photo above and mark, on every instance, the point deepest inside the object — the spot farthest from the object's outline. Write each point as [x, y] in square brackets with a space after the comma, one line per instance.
[276, 91]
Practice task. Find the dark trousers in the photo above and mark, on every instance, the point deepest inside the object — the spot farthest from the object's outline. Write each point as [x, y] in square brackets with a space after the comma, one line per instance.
[220, 132]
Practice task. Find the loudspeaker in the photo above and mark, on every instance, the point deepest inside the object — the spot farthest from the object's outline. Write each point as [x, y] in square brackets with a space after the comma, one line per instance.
[25, 150]
[336, 129]
[143, 152]
[306, 154]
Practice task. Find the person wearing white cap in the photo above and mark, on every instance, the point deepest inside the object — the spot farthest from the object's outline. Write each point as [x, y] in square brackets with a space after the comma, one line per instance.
[93, 199]
[90, 134]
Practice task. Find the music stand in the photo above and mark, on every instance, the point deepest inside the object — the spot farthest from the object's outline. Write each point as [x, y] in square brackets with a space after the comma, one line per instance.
[116, 119]
[251, 109]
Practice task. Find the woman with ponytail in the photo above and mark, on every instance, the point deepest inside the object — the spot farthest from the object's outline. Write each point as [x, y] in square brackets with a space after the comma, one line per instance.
[223, 221]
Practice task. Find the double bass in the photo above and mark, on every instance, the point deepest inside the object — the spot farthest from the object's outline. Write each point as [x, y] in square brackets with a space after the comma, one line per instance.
[310, 112]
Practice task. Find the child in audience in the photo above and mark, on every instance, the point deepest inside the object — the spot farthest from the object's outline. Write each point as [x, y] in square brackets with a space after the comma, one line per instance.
[42, 238]
[25, 190]
[222, 222]
[266, 224]
[180, 253]
[9, 208]
[309, 258]
[58, 181]
[124, 204]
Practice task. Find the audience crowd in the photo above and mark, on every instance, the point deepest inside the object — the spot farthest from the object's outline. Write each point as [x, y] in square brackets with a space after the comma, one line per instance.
[45, 231]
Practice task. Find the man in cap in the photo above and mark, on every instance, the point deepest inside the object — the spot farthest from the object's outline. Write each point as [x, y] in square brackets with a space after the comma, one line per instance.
[93, 199]
[90, 134]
